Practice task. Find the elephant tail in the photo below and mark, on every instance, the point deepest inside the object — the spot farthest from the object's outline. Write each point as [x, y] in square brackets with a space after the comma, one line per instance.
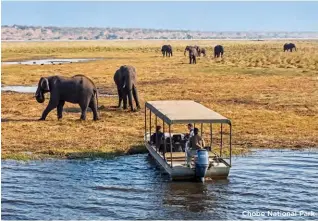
[96, 95]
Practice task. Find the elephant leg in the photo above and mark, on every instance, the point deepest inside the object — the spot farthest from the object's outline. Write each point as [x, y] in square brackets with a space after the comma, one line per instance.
[135, 95]
[52, 104]
[120, 97]
[84, 105]
[60, 110]
[194, 60]
[93, 105]
[130, 99]
[190, 59]
[125, 100]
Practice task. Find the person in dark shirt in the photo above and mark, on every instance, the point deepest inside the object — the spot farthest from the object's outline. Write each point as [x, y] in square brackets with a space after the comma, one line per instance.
[157, 133]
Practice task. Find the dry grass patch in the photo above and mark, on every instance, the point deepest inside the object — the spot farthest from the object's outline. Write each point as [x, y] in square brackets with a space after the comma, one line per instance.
[270, 96]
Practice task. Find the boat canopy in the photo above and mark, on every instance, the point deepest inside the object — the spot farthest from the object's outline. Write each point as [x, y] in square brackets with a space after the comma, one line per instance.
[184, 111]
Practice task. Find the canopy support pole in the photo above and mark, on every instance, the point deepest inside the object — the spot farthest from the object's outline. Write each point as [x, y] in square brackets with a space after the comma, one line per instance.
[170, 144]
[164, 140]
[230, 144]
[221, 140]
[211, 136]
[156, 134]
[201, 129]
[150, 124]
[145, 123]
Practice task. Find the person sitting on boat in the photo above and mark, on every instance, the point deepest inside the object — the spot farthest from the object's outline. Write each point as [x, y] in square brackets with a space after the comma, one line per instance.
[157, 135]
[196, 143]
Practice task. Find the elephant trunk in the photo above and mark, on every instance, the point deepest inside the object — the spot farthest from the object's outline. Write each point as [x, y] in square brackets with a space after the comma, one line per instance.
[39, 96]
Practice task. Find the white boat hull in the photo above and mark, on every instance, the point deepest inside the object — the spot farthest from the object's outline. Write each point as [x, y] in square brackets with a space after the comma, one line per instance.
[179, 170]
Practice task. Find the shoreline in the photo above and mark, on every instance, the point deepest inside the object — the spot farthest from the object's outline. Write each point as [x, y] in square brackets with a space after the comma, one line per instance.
[132, 151]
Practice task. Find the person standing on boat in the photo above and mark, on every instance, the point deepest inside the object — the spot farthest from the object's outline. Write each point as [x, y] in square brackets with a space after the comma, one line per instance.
[196, 143]
[188, 136]
[190, 128]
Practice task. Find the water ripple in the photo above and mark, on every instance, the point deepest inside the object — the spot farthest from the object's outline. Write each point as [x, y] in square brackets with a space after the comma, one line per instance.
[132, 187]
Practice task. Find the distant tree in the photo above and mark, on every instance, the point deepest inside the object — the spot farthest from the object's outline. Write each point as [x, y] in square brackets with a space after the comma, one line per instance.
[189, 36]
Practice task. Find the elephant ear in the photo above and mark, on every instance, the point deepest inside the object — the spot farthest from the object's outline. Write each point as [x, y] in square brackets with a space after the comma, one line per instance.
[45, 84]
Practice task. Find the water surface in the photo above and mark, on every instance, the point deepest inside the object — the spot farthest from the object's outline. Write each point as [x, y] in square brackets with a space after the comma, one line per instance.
[32, 89]
[132, 187]
[49, 61]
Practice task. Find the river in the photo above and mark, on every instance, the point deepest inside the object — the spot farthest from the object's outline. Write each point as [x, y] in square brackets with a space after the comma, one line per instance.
[266, 184]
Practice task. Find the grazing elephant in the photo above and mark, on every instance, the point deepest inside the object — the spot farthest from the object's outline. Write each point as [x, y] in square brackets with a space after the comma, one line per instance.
[125, 79]
[193, 53]
[78, 89]
[218, 51]
[166, 50]
[289, 47]
[202, 51]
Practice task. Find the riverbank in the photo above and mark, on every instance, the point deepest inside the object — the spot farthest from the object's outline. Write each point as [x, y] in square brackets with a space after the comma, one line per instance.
[270, 96]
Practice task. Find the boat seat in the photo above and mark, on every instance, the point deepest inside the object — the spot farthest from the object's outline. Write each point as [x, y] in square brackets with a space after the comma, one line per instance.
[181, 155]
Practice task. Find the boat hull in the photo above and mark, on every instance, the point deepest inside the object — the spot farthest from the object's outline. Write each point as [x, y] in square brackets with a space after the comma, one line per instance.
[179, 171]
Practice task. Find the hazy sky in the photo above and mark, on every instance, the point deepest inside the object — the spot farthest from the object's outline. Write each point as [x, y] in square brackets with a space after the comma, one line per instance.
[201, 16]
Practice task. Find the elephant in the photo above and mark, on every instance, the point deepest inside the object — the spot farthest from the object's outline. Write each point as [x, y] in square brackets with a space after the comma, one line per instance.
[289, 47]
[78, 89]
[193, 53]
[202, 51]
[198, 49]
[125, 79]
[187, 49]
[218, 51]
[166, 50]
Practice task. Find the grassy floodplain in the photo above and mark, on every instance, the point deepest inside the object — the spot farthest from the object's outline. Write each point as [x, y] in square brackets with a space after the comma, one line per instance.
[270, 96]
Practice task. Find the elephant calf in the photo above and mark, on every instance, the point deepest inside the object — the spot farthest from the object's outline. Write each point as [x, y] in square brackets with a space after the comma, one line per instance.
[202, 51]
[125, 79]
[77, 90]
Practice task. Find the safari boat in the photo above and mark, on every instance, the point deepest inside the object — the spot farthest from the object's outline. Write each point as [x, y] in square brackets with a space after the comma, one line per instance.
[170, 153]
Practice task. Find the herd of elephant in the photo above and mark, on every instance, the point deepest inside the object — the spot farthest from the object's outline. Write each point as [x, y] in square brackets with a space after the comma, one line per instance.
[195, 51]
[81, 90]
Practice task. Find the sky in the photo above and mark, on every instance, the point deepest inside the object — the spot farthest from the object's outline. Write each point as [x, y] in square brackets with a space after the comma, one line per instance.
[197, 16]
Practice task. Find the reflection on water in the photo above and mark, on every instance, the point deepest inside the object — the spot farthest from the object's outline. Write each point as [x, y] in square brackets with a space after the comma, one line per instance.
[49, 61]
[133, 187]
[32, 89]
[20, 89]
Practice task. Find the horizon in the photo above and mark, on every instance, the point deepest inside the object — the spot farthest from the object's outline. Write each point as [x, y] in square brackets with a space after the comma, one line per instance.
[157, 29]
[172, 16]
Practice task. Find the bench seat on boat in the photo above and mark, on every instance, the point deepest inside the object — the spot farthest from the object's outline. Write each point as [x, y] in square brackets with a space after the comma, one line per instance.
[180, 156]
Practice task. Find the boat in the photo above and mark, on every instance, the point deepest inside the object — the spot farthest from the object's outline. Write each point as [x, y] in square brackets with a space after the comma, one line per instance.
[212, 162]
